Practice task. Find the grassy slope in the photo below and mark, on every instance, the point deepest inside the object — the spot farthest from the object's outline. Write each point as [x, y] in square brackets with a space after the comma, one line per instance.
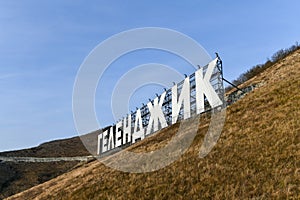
[57, 148]
[257, 156]
[17, 177]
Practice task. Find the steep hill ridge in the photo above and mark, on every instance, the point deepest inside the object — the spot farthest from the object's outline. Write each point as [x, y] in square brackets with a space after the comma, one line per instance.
[19, 176]
[58, 148]
[257, 155]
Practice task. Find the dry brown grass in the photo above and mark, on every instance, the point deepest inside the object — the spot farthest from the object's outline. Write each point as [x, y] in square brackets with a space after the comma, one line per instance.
[257, 156]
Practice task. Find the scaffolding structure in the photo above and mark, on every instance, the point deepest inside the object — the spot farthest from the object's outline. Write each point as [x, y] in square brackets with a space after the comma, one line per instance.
[216, 82]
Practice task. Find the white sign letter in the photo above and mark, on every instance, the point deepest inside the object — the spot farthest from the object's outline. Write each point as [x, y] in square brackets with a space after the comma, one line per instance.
[111, 141]
[156, 114]
[184, 97]
[138, 127]
[118, 134]
[104, 141]
[100, 136]
[127, 129]
[204, 87]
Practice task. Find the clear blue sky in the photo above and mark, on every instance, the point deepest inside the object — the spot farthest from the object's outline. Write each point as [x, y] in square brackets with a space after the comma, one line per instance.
[43, 43]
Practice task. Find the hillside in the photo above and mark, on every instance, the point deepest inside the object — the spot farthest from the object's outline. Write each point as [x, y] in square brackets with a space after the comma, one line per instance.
[257, 155]
[17, 177]
[57, 148]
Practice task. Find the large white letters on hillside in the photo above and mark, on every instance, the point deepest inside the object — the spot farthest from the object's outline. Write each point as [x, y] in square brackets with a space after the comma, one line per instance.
[204, 87]
[184, 97]
[139, 132]
[156, 114]
[119, 134]
[127, 132]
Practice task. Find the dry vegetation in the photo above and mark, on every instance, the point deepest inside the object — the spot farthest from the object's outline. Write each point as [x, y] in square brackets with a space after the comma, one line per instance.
[17, 177]
[257, 156]
[258, 69]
